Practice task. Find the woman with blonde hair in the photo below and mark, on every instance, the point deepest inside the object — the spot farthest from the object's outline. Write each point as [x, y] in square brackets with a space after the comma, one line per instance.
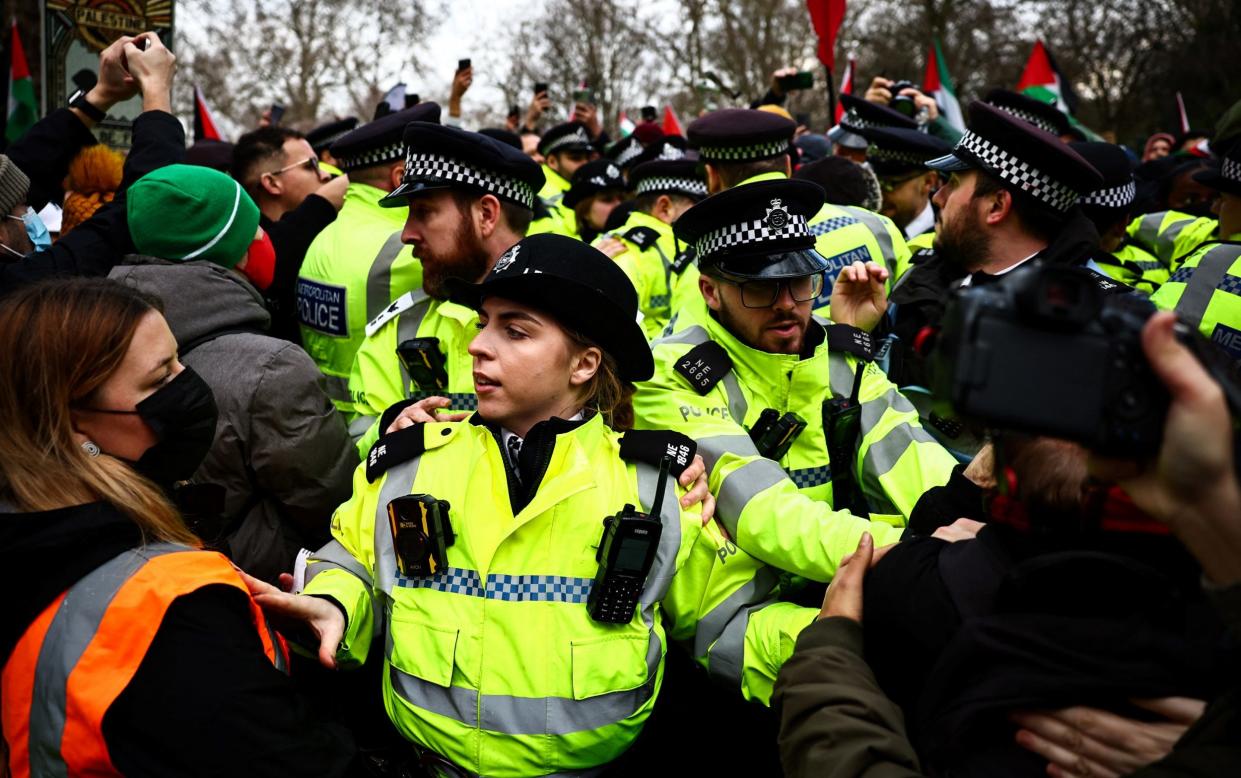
[127, 650]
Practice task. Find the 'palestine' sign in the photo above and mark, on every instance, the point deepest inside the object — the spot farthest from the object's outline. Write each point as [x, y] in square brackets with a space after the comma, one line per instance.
[75, 31]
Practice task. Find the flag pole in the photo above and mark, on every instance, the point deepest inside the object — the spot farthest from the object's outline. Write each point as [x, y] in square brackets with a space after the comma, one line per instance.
[831, 99]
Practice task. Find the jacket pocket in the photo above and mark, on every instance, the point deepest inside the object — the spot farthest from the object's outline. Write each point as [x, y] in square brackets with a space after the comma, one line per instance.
[422, 650]
[608, 664]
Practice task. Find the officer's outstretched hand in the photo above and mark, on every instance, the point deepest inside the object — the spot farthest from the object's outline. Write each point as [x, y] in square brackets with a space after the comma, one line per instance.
[860, 295]
[291, 613]
[423, 412]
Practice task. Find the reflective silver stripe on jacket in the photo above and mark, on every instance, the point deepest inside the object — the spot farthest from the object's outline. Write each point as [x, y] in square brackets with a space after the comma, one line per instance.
[721, 633]
[407, 328]
[73, 627]
[514, 715]
[883, 454]
[379, 277]
[740, 486]
[359, 426]
[696, 336]
[1200, 287]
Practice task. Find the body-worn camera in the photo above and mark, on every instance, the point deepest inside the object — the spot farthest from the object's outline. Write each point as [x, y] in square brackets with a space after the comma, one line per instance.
[424, 362]
[421, 534]
[1049, 350]
[774, 434]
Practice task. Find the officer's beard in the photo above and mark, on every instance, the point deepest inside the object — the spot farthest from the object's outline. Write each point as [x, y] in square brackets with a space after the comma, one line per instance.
[964, 242]
[467, 259]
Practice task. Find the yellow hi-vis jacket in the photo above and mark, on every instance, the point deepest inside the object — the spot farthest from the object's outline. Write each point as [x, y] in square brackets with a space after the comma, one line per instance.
[781, 512]
[649, 260]
[353, 270]
[1205, 292]
[494, 662]
[379, 378]
[561, 220]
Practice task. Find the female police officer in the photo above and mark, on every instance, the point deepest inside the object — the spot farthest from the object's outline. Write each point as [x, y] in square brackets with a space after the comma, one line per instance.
[511, 648]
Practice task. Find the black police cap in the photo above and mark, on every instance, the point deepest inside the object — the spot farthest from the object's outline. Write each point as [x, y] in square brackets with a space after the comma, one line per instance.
[1118, 189]
[378, 142]
[326, 134]
[580, 286]
[666, 148]
[741, 135]
[672, 176]
[1043, 115]
[1030, 161]
[624, 151]
[1225, 175]
[895, 150]
[570, 136]
[862, 115]
[759, 230]
[591, 179]
[439, 157]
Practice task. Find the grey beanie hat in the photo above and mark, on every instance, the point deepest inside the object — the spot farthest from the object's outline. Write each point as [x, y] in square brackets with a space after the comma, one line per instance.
[14, 185]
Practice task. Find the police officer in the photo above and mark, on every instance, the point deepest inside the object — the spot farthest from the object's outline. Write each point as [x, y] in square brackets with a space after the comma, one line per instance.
[742, 146]
[1011, 194]
[521, 653]
[649, 252]
[598, 188]
[467, 198]
[1110, 207]
[357, 265]
[760, 384]
[322, 137]
[565, 148]
[1205, 291]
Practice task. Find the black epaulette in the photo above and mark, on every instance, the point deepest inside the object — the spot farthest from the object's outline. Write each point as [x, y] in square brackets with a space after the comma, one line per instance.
[394, 449]
[642, 237]
[704, 366]
[651, 446]
[845, 337]
[1109, 285]
[682, 261]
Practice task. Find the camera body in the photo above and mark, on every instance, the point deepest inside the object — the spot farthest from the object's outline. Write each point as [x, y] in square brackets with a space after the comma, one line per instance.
[1048, 350]
[903, 104]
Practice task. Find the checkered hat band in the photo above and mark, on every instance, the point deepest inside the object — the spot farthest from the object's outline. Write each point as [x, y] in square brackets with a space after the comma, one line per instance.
[743, 153]
[1019, 174]
[853, 120]
[628, 155]
[1116, 197]
[390, 153]
[572, 139]
[437, 168]
[880, 154]
[689, 186]
[1026, 116]
[747, 233]
[1231, 169]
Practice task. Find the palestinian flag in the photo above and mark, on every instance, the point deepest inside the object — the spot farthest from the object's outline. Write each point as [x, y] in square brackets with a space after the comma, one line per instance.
[1042, 80]
[846, 87]
[22, 110]
[205, 127]
[937, 83]
[624, 124]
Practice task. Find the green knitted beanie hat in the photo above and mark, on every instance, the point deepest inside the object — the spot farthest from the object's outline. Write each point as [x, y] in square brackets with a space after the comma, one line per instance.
[191, 212]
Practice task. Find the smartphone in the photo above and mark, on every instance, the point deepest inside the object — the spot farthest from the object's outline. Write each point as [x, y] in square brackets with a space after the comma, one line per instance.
[540, 88]
[277, 113]
[797, 81]
[584, 95]
[462, 64]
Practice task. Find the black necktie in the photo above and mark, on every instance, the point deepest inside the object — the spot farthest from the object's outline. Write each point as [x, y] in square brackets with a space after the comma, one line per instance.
[514, 454]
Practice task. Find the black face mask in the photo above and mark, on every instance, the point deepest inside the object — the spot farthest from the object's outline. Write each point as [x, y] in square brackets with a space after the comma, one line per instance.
[182, 414]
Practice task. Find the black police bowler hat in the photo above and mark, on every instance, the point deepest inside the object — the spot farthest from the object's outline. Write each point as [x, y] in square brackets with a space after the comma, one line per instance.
[379, 141]
[759, 230]
[441, 157]
[591, 179]
[1224, 175]
[580, 286]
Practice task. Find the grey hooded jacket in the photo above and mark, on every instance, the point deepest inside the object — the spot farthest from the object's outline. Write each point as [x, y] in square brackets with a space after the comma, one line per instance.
[282, 451]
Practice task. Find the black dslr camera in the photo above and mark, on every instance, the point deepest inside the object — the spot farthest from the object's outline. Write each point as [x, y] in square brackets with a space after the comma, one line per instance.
[903, 104]
[1048, 351]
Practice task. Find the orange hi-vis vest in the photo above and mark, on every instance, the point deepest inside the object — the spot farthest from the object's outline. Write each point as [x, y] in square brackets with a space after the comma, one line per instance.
[77, 657]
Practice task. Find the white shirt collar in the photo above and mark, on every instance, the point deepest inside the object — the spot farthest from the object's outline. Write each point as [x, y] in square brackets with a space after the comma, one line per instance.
[923, 222]
[969, 278]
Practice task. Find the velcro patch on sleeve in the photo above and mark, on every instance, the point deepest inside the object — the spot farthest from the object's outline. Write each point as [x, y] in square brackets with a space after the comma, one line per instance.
[704, 366]
[843, 337]
[651, 446]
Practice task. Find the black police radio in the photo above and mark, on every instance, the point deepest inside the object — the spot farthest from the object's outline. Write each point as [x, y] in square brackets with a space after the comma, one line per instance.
[626, 553]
